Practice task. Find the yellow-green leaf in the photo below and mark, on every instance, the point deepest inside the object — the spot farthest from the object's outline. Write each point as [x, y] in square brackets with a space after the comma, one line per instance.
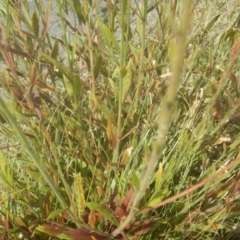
[77, 86]
[55, 213]
[127, 79]
[158, 197]
[159, 176]
[135, 181]
[68, 85]
[93, 102]
[108, 35]
[5, 169]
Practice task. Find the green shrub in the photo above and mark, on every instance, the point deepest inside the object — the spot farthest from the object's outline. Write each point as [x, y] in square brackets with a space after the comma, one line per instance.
[119, 127]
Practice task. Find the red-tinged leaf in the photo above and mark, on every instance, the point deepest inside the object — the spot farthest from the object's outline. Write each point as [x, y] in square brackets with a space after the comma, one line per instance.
[10, 62]
[121, 208]
[193, 216]
[36, 101]
[112, 133]
[92, 218]
[140, 228]
[15, 51]
[235, 187]
[20, 223]
[234, 80]
[235, 209]
[128, 199]
[63, 232]
[100, 191]
[120, 213]
[213, 227]
[218, 106]
[46, 20]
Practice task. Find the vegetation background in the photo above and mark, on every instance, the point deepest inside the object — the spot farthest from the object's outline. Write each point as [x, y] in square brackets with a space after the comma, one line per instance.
[124, 124]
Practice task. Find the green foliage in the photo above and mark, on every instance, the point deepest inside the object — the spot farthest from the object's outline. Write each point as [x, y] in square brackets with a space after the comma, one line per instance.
[120, 127]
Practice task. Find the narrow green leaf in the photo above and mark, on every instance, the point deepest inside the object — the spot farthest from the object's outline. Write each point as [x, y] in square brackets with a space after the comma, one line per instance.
[159, 176]
[106, 111]
[108, 35]
[77, 86]
[212, 22]
[158, 198]
[35, 24]
[68, 85]
[74, 45]
[123, 72]
[103, 211]
[78, 9]
[5, 184]
[228, 35]
[3, 8]
[55, 50]
[98, 64]
[56, 64]
[135, 180]
[127, 80]
[5, 169]
[34, 173]
[55, 213]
